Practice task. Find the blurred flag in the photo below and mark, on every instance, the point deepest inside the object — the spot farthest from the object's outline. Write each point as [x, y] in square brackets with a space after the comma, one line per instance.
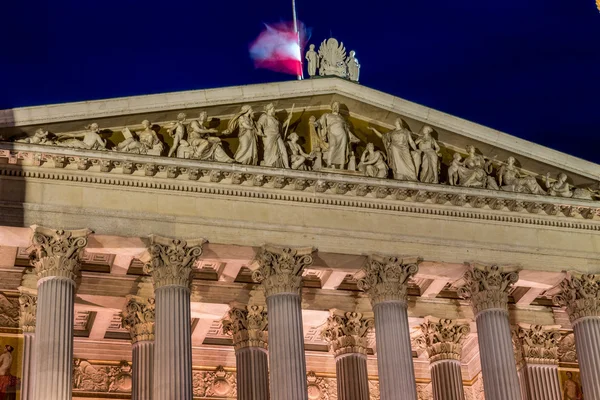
[278, 48]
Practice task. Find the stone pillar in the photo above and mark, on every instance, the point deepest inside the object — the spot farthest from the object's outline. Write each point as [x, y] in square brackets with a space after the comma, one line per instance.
[580, 294]
[487, 288]
[56, 260]
[28, 309]
[248, 328]
[347, 337]
[171, 267]
[280, 273]
[443, 339]
[539, 345]
[386, 280]
[138, 318]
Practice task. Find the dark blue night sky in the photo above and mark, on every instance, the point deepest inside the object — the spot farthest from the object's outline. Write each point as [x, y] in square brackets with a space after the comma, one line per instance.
[530, 68]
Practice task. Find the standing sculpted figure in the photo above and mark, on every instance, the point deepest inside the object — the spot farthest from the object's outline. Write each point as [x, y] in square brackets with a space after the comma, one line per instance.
[334, 130]
[398, 144]
[428, 161]
[511, 180]
[177, 132]
[372, 163]
[247, 152]
[312, 59]
[200, 145]
[148, 142]
[353, 66]
[39, 137]
[275, 153]
[91, 139]
[297, 155]
[474, 171]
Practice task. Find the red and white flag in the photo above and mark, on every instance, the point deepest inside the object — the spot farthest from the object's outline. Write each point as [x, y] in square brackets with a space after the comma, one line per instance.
[278, 48]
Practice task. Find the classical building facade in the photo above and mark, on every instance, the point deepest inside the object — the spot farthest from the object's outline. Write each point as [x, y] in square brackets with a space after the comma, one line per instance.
[312, 239]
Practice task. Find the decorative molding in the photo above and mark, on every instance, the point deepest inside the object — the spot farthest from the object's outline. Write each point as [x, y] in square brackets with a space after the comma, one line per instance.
[443, 338]
[487, 287]
[138, 318]
[346, 332]
[539, 344]
[580, 295]
[88, 377]
[56, 252]
[247, 326]
[217, 383]
[172, 260]
[280, 268]
[386, 278]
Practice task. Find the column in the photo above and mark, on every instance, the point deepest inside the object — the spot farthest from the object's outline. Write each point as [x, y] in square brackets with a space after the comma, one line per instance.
[171, 267]
[487, 288]
[56, 260]
[28, 309]
[138, 317]
[280, 273]
[346, 333]
[386, 280]
[443, 339]
[248, 329]
[539, 345]
[580, 294]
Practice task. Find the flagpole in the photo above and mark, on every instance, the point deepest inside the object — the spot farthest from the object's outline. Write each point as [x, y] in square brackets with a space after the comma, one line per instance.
[301, 75]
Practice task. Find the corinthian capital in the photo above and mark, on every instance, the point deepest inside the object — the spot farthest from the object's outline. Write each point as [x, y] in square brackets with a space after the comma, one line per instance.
[138, 317]
[386, 278]
[347, 332]
[55, 252]
[280, 268]
[247, 326]
[487, 286]
[171, 260]
[28, 300]
[443, 338]
[580, 294]
[539, 343]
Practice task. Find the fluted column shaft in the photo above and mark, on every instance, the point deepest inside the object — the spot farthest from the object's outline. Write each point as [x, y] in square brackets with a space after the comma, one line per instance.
[542, 382]
[252, 373]
[498, 365]
[286, 348]
[394, 353]
[587, 341]
[142, 370]
[53, 364]
[352, 377]
[173, 344]
[27, 373]
[446, 380]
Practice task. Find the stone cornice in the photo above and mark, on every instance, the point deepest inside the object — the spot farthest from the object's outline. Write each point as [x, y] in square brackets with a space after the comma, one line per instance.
[386, 277]
[539, 343]
[162, 173]
[346, 332]
[487, 287]
[443, 338]
[247, 326]
[580, 294]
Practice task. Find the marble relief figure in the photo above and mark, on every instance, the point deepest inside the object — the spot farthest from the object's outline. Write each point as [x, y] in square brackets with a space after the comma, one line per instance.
[334, 130]
[89, 140]
[398, 144]
[427, 160]
[298, 157]
[511, 180]
[200, 145]
[372, 163]
[148, 142]
[39, 137]
[561, 188]
[332, 58]
[177, 132]
[475, 170]
[269, 128]
[243, 122]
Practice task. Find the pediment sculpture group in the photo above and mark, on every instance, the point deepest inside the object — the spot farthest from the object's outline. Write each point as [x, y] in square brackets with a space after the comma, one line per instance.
[408, 156]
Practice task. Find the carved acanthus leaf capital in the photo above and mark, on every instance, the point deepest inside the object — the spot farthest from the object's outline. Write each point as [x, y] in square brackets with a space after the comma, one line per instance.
[488, 286]
[56, 252]
[247, 326]
[280, 268]
[347, 332]
[171, 260]
[580, 294]
[386, 278]
[138, 317]
[27, 310]
[539, 343]
[443, 338]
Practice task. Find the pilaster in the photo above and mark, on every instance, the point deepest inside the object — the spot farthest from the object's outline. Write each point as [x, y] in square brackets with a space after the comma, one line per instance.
[27, 315]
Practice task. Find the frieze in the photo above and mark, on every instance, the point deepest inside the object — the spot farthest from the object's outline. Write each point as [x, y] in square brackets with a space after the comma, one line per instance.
[88, 377]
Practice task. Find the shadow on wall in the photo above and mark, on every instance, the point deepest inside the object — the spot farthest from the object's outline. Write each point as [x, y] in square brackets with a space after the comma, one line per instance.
[12, 184]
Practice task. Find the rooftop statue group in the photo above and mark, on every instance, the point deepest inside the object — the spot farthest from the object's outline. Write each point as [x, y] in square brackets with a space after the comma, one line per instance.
[406, 157]
[332, 60]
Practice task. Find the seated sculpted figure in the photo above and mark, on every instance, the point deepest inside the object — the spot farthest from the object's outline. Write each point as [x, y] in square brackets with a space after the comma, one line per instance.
[298, 157]
[562, 188]
[372, 163]
[511, 180]
[475, 171]
[201, 146]
[90, 139]
[40, 137]
[148, 142]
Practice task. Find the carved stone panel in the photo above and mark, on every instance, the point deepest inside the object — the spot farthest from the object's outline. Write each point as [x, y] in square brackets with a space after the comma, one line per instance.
[89, 377]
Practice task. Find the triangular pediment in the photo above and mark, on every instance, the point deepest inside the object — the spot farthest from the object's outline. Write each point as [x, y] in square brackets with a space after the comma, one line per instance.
[364, 108]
